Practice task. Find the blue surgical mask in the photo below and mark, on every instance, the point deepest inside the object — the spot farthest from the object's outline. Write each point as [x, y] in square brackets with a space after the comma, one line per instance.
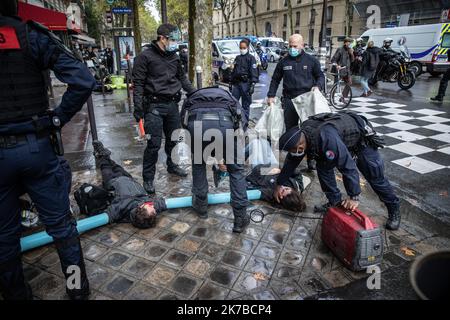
[172, 47]
[293, 52]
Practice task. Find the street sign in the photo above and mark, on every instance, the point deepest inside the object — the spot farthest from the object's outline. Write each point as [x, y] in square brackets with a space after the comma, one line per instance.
[122, 10]
[445, 15]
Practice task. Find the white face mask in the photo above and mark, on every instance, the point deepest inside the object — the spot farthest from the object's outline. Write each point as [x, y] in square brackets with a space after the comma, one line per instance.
[244, 51]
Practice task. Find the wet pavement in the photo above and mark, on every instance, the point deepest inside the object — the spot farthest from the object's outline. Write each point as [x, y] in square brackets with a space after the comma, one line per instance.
[184, 257]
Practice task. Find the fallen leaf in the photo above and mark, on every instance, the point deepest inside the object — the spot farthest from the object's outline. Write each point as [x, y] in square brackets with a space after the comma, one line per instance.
[259, 276]
[407, 251]
[443, 193]
[409, 165]
[127, 162]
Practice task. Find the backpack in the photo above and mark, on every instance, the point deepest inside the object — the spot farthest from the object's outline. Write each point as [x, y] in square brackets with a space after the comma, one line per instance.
[91, 199]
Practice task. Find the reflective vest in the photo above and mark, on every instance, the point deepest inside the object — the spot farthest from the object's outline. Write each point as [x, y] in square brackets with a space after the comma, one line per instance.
[23, 90]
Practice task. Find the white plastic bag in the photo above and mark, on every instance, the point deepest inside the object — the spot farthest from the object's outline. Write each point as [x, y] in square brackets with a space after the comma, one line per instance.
[309, 104]
[271, 123]
[260, 152]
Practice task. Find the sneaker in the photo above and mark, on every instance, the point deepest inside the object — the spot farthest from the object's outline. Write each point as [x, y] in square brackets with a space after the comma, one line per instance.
[100, 150]
[364, 95]
[393, 222]
[369, 93]
[176, 170]
[148, 186]
[29, 218]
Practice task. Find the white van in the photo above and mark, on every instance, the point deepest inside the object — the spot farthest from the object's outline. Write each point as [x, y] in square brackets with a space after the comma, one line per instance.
[423, 43]
[224, 53]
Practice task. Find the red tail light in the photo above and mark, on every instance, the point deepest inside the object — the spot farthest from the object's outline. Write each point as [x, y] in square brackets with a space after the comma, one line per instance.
[435, 55]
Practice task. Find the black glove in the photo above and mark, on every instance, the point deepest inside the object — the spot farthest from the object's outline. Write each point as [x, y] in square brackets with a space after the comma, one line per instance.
[138, 115]
[251, 90]
[230, 86]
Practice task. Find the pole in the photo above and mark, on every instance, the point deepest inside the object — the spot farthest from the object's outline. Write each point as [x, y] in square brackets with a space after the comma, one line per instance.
[92, 123]
[323, 28]
[163, 11]
[128, 81]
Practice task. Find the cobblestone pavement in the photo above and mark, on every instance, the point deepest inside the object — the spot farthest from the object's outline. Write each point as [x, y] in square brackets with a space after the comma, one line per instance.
[184, 257]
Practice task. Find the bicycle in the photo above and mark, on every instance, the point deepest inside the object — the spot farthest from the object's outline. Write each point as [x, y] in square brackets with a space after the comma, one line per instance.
[335, 95]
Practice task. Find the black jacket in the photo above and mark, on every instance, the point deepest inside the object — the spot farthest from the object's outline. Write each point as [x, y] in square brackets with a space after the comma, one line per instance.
[299, 75]
[371, 53]
[158, 73]
[129, 194]
[245, 67]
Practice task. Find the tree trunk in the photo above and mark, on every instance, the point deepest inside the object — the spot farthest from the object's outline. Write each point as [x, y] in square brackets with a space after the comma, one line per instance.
[200, 39]
[136, 28]
[255, 27]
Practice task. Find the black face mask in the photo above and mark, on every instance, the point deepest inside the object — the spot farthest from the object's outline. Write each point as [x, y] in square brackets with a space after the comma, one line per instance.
[8, 8]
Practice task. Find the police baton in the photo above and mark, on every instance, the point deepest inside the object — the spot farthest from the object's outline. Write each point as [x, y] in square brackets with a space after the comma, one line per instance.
[91, 114]
[198, 71]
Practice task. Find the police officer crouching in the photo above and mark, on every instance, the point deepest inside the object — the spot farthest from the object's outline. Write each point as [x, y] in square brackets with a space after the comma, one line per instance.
[333, 140]
[30, 146]
[244, 77]
[215, 108]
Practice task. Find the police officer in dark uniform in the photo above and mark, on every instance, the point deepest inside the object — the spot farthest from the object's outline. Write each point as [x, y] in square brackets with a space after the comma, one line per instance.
[443, 84]
[158, 77]
[244, 76]
[215, 111]
[334, 140]
[300, 73]
[30, 144]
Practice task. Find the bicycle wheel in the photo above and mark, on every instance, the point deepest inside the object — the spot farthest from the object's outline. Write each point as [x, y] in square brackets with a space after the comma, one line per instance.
[337, 99]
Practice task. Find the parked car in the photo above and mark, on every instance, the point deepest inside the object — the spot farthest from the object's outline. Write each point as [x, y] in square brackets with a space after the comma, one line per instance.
[272, 55]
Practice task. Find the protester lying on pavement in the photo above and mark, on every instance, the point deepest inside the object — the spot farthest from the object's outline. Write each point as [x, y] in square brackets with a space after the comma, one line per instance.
[123, 198]
[264, 175]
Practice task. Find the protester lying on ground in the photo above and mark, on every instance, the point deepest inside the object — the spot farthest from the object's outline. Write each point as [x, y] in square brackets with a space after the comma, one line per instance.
[264, 175]
[122, 198]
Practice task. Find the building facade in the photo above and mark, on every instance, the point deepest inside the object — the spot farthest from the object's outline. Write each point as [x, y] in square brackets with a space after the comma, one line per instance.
[343, 17]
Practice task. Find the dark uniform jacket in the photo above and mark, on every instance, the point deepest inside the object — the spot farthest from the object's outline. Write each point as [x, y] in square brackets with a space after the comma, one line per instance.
[159, 74]
[245, 68]
[344, 58]
[267, 183]
[128, 195]
[299, 75]
[333, 154]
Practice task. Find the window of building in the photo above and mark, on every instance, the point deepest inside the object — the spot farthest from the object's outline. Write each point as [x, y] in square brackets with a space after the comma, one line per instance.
[239, 27]
[313, 16]
[299, 1]
[284, 20]
[232, 28]
[268, 5]
[246, 26]
[246, 10]
[330, 14]
[285, 3]
[240, 9]
[297, 31]
[297, 18]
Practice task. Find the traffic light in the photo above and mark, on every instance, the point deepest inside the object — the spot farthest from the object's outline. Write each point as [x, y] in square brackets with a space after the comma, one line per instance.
[108, 17]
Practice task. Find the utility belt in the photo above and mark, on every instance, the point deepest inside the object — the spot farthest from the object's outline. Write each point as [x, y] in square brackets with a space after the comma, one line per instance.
[148, 99]
[210, 116]
[241, 78]
[45, 127]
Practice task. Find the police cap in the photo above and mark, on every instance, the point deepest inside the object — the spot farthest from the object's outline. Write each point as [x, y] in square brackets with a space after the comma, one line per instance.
[289, 139]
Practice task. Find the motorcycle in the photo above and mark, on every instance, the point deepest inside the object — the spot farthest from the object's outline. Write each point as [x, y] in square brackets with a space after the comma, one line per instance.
[264, 60]
[396, 69]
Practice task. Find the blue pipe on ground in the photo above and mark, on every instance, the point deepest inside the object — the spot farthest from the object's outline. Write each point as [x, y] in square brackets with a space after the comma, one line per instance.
[42, 238]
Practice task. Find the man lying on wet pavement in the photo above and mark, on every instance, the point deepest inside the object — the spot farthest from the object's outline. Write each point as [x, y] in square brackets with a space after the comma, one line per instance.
[123, 198]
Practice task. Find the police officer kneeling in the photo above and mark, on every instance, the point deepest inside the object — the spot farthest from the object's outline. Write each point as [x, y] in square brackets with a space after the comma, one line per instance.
[334, 140]
[215, 108]
[28, 159]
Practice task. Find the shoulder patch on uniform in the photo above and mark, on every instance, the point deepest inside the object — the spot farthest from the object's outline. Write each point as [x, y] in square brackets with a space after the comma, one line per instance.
[330, 155]
[254, 66]
[8, 38]
[287, 68]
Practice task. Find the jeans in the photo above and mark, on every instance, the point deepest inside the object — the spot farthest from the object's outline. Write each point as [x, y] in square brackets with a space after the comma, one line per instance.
[365, 84]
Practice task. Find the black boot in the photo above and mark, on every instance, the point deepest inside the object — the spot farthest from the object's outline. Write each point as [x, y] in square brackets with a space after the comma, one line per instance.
[13, 285]
[200, 206]
[72, 264]
[99, 149]
[241, 221]
[438, 98]
[176, 170]
[148, 186]
[393, 222]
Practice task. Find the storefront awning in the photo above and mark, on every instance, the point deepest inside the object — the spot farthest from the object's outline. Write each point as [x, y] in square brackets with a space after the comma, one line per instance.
[51, 19]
